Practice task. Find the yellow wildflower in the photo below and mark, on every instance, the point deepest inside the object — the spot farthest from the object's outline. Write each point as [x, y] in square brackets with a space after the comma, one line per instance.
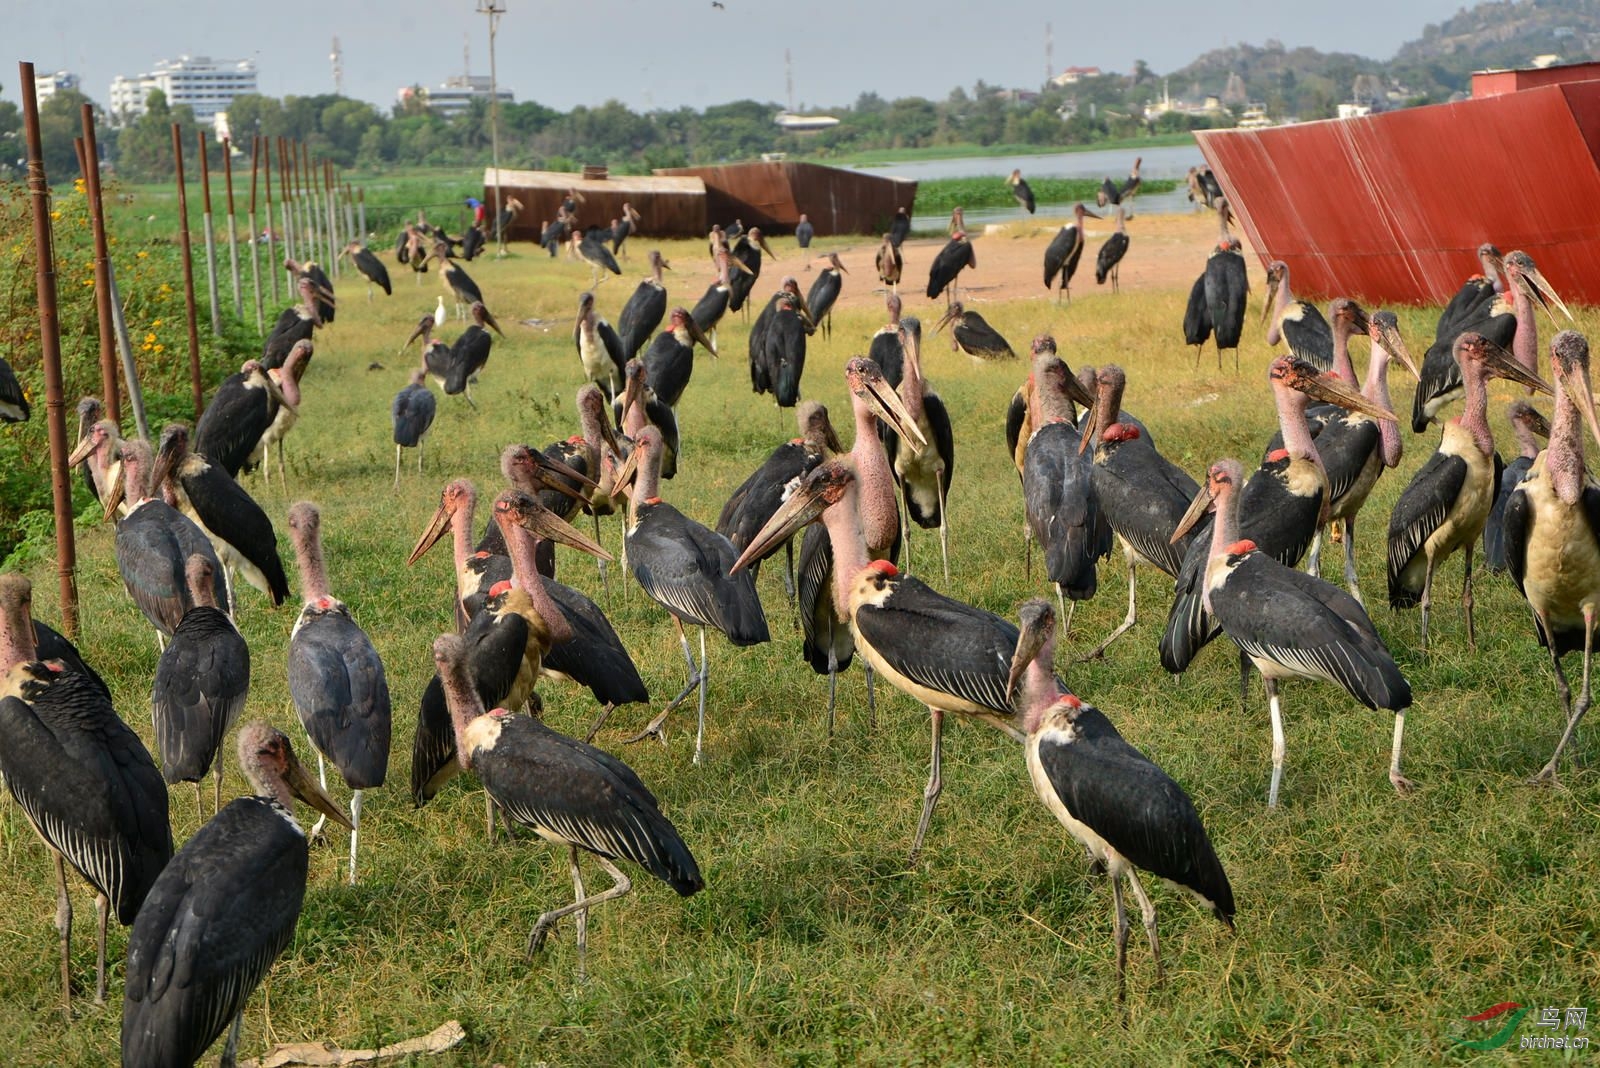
[149, 339]
[155, 323]
[160, 348]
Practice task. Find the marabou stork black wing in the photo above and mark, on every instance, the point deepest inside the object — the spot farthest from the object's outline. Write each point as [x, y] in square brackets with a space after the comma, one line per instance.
[1227, 291]
[977, 338]
[1016, 417]
[496, 643]
[684, 567]
[1438, 384]
[899, 229]
[49, 645]
[433, 747]
[461, 283]
[374, 271]
[1108, 193]
[152, 545]
[640, 316]
[201, 684]
[1494, 536]
[760, 366]
[231, 514]
[1024, 194]
[595, 657]
[1123, 797]
[1421, 509]
[668, 367]
[824, 291]
[13, 401]
[1189, 627]
[293, 325]
[1308, 334]
[339, 690]
[1144, 497]
[232, 424]
[942, 644]
[1064, 509]
[710, 309]
[472, 243]
[947, 264]
[468, 355]
[824, 637]
[1197, 313]
[1110, 254]
[786, 356]
[1281, 614]
[887, 352]
[413, 411]
[758, 497]
[1058, 252]
[583, 795]
[214, 923]
[86, 783]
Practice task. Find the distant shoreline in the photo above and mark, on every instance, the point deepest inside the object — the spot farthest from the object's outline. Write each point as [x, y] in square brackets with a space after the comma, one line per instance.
[889, 156]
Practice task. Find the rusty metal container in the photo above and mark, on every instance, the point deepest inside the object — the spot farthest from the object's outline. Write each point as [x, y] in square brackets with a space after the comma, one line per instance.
[774, 195]
[669, 206]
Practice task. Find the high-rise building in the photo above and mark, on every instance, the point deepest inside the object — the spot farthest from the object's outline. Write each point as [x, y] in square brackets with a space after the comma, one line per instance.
[455, 95]
[46, 86]
[207, 85]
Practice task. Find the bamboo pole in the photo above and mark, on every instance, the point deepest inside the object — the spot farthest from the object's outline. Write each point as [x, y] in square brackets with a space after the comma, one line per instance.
[349, 201]
[255, 234]
[102, 269]
[361, 213]
[331, 188]
[233, 231]
[210, 235]
[50, 350]
[188, 274]
[285, 204]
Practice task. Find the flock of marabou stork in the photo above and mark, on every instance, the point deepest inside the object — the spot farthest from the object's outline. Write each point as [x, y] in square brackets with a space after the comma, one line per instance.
[209, 918]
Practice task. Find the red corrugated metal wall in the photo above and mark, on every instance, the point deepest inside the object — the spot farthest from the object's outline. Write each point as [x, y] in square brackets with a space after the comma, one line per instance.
[1392, 207]
[772, 196]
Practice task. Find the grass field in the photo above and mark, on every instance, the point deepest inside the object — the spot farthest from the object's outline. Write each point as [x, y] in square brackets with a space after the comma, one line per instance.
[1369, 925]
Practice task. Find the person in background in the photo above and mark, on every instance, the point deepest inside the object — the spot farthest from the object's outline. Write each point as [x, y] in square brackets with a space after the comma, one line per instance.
[803, 232]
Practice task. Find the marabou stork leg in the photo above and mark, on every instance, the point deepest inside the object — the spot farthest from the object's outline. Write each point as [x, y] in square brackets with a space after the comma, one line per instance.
[1401, 784]
[422, 450]
[1148, 908]
[1027, 551]
[322, 778]
[1351, 580]
[1219, 358]
[944, 528]
[217, 791]
[355, 831]
[930, 793]
[582, 921]
[102, 906]
[833, 684]
[1547, 775]
[872, 701]
[1120, 926]
[1314, 556]
[64, 926]
[1277, 739]
[903, 508]
[397, 467]
[1427, 599]
[696, 680]
[283, 475]
[1244, 682]
[1127, 622]
[600, 721]
[788, 576]
[1466, 600]
[467, 393]
[230, 1049]
[620, 886]
[700, 728]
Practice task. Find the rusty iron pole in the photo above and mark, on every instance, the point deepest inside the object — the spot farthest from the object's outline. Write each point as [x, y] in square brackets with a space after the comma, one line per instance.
[361, 213]
[272, 224]
[233, 230]
[188, 274]
[285, 203]
[210, 234]
[349, 202]
[255, 234]
[50, 350]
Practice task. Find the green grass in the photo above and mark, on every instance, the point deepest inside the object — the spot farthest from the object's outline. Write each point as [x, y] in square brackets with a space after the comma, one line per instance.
[908, 155]
[1368, 924]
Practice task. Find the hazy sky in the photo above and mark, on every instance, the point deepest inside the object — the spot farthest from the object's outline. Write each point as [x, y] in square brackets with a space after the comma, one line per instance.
[666, 53]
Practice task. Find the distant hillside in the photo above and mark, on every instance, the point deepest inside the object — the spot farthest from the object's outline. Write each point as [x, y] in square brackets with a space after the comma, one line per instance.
[1509, 34]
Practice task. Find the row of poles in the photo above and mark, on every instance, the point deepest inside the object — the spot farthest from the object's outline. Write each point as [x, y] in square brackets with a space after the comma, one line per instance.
[316, 215]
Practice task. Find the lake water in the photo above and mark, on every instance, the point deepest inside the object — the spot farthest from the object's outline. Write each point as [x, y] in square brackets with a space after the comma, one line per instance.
[1168, 161]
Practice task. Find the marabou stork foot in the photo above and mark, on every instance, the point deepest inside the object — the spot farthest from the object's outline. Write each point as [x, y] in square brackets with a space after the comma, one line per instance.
[1402, 785]
[654, 727]
[316, 833]
[1546, 777]
[541, 931]
[600, 721]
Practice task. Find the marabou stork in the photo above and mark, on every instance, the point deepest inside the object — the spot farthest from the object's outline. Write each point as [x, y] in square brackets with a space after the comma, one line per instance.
[784, 347]
[455, 367]
[287, 379]
[600, 350]
[473, 240]
[1552, 533]
[1282, 504]
[202, 681]
[1447, 504]
[1203, 187]
[508, 214]
[759, 496]
[951, 657]
[1141, 493]
[885, 349]
[237, 527]
[899, 227]
[154, 543]
[973, 335]
[1061, 256]
[1296, 323]
[684, 567]
[761, 367]
[1225, 289]
[321, 287]
[552, 236]
[924, 471]
[295, 324]
[825, 289]
[1020, 426]
[412, 411]
[99, 450]
[568, 792]
[336, 680]
[90, 411]
[710, 309]
[224, 908]
[240, 412]
[734, 230]
[1291, 624]
[669, 361]
[1115, 801]
[591, 248]
[716, 241]
[958, 221]
[459, 283]
[1109, 259]
[891, 265]
[624, 228]
[1509, 323]
[412, 251]
[1058, 490]
[644, 310]
[639, 407]
[82, 778]
[1111, 193]
[957, 254]
[1021, 190]
[747, 250]
[371, 268]
[13, 400]
[804, 231]
[1529, 425]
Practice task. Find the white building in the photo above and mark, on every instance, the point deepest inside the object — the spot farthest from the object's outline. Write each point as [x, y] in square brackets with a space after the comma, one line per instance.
[207, 85]
[46, 86]
[455, 95]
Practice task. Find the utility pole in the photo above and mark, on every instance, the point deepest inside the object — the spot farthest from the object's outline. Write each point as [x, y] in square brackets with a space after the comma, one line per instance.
[494, 9]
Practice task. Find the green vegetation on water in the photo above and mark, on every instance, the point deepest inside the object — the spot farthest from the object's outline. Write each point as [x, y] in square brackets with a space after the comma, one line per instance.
[1369, 925]
[937, 196]
[869, 157]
